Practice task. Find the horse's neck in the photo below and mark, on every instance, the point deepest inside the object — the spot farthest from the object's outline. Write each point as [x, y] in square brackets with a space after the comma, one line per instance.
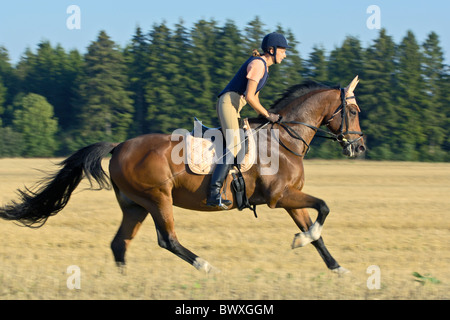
[311, 111]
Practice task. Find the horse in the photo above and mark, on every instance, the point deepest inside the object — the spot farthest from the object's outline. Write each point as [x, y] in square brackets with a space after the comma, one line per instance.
[147, 181]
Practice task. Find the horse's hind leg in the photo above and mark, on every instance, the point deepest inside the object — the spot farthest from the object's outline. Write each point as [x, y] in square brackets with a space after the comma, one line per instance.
[303, 221]
[162, 213]
[133, 216]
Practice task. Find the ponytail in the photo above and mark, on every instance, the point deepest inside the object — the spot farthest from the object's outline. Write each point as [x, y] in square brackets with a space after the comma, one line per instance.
[256, 53]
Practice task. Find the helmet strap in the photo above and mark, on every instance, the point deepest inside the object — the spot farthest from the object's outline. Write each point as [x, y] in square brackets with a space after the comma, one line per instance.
[275, 55]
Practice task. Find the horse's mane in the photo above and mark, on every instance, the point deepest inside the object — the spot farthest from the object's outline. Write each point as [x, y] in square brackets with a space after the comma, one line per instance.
[298, 91]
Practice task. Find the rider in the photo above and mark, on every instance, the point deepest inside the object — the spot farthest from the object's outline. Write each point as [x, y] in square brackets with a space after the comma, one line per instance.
[241, 90]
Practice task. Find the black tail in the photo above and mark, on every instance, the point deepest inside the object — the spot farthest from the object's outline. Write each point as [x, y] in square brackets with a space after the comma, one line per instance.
[54, 192]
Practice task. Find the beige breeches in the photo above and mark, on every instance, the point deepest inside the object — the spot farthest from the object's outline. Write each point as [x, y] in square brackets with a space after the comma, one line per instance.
[228, 108]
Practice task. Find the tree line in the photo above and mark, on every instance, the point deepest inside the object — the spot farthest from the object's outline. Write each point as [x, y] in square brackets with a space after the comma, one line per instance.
[54, 101]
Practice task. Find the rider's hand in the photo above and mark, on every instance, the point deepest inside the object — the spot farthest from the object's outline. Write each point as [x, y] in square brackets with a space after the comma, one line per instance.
[273, 117]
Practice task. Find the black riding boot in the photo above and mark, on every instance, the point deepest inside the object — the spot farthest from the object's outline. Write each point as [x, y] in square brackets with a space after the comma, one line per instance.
[218, 177]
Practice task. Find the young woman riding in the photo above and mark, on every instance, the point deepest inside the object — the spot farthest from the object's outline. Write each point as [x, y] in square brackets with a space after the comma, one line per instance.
[243, 89]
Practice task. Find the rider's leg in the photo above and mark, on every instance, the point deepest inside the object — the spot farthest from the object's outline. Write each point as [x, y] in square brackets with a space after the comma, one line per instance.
[228, 108]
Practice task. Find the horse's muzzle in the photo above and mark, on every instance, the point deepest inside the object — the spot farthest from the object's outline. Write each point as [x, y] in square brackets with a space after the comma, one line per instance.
[354, 150]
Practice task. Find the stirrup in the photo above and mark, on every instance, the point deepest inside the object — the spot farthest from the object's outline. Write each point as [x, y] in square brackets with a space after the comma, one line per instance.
[220, 204]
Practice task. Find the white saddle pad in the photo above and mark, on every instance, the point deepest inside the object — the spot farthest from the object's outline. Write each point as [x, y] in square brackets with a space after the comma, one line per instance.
[202, 155]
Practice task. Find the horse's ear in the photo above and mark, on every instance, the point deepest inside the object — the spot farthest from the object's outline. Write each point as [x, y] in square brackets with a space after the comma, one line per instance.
[349, 92]
[352, 85]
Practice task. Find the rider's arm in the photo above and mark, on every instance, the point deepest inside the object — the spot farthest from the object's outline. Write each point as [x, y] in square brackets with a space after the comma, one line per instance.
[253, 98]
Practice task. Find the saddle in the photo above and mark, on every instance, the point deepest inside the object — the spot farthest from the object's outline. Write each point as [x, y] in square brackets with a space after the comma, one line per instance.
[204, 149]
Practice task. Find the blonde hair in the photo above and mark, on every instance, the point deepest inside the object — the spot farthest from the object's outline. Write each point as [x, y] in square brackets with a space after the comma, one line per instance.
[256, 53]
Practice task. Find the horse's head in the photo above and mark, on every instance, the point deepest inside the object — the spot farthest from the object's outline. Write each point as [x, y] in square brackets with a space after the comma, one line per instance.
[344, 122]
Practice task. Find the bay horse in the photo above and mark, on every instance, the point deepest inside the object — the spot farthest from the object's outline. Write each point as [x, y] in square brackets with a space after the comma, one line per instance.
[147, 181]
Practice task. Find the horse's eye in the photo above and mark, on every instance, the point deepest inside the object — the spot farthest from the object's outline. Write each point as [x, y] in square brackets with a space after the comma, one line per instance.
[353, 112]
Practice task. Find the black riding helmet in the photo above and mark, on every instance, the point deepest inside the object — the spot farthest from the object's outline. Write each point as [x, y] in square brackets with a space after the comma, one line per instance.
[274, 40]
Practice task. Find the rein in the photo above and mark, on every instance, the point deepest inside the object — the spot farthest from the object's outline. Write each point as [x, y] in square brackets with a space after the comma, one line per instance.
[340, 137]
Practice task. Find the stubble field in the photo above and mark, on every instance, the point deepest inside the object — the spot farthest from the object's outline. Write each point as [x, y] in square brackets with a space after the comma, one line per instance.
[393, 215]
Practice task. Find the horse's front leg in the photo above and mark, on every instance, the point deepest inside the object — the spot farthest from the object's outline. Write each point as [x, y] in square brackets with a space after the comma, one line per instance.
[292, 199]
[303, 221]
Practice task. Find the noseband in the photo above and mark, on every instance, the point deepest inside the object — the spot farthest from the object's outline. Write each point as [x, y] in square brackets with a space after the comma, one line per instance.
[339, 137]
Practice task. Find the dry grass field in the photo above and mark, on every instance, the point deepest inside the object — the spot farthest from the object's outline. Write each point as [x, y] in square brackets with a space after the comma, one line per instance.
[394, 215]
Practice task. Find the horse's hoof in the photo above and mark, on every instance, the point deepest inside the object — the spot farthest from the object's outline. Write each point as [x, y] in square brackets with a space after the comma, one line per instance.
[121, 267]
[214, 270]
[301, 240]
[203, 265]
[340, 271]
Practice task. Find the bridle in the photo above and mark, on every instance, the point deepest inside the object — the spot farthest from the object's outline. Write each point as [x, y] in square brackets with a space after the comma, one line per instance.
[339, 137]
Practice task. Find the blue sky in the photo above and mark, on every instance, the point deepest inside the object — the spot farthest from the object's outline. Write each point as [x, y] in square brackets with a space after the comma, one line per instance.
[24, 23]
